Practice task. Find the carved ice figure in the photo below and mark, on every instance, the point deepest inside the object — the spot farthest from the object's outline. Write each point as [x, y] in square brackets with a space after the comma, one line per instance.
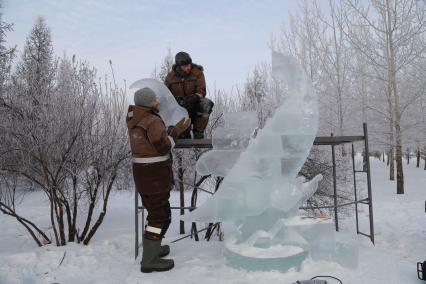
[261, 192]
[268, 167]
[228, 143]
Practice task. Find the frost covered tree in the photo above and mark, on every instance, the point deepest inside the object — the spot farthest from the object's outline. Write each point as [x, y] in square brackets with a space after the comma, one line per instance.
[335, 62]
[11, 183]
[365, 59]
[255, 92]
[6, 56]
[35, 72]
[396, 28]
[63, 134]
[316, 38]
[165, 67]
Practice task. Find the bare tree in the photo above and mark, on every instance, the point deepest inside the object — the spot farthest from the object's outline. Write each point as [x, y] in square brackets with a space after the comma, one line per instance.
[396, 28]
[255, 92]
[36, 70]
[63, 133]
[165, 67]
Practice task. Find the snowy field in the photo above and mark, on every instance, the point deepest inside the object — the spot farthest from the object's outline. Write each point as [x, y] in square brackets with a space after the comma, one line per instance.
[400, 223]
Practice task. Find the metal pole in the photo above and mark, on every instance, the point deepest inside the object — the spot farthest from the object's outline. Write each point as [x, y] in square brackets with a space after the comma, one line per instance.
[336, 218]
[136, 225]
[199, 231]
[356, 196]
[181, 193]
[370, 197]
[143, 224]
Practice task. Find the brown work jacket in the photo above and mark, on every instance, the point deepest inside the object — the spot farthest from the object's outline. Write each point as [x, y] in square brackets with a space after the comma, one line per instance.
[191, 84]
[148, 138]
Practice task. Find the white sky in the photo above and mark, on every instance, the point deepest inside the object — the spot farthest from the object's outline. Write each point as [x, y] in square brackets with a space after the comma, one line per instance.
[227, 37]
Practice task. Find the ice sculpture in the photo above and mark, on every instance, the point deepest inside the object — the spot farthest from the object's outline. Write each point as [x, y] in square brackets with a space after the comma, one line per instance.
[170, 111]
[228, 143]
[261, 192]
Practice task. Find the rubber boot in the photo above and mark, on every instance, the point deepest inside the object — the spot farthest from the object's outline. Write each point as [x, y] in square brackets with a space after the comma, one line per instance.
[200, 125]
[164, 250]
[151, 260]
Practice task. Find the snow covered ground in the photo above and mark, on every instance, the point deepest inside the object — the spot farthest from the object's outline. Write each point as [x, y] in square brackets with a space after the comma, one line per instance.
[400, 223]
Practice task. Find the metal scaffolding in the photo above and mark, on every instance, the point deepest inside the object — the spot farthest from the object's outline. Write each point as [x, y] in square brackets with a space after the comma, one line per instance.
[332, 141]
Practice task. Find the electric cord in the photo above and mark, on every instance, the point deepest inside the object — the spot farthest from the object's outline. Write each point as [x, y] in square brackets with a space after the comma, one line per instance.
[327, 276]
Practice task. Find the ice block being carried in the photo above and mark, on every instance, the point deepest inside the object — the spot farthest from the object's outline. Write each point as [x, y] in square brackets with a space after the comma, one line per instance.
[170, 111]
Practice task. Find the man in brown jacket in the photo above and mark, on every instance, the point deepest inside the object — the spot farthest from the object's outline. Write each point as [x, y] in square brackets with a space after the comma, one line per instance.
[151, 144]
[187, 84]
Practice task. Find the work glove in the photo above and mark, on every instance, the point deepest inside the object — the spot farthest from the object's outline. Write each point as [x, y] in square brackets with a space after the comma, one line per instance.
[205, 107]
[179, 128]
[190, 101]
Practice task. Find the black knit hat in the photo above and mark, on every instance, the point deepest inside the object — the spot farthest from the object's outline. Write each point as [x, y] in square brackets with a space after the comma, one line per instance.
[182, 58]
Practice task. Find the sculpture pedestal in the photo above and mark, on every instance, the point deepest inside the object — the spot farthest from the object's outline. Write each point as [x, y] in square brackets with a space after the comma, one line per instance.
[279, 258]
[287, 244]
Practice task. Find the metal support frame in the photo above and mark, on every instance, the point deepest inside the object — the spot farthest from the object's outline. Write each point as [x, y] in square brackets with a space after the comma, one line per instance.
[140, 209]
[369, 200]
[370, 196]
[319, 141]
[336, 217]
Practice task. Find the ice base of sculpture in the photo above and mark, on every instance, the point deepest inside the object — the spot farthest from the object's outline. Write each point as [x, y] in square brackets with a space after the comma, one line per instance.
[287, 243]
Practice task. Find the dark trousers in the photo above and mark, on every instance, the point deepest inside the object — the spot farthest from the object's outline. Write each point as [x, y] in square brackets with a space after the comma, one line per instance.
[159, 214]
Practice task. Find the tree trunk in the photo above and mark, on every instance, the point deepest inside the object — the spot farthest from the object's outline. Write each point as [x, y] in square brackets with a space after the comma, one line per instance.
[387, 158]
[408, 157]
[102, 214]
[391, 158]
[89, 215]
[27, 224]
[52, 217]
[391, 164]
[60, 220]
[399, 171]
[74, 217]
[72, 229]
[399, 165]
[396, 108]
[339, 75]
[418, 158]
[88, 220]
[425, 162]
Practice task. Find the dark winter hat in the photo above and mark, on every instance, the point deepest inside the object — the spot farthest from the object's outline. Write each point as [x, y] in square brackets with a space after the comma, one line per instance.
[144, 96]
[182, 58]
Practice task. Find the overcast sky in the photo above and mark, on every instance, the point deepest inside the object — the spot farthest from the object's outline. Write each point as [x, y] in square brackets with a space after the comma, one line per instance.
[227, 37]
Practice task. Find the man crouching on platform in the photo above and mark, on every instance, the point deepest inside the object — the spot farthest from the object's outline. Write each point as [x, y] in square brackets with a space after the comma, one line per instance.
[151, 144]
